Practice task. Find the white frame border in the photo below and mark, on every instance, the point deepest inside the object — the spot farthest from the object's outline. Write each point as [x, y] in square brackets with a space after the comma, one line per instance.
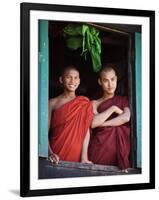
[36, 183]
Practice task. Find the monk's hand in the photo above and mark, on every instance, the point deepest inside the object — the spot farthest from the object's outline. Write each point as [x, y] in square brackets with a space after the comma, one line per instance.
[54, 158]
[117, 110]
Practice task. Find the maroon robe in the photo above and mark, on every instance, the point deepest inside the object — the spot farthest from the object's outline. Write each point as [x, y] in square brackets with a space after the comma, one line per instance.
[111, 145]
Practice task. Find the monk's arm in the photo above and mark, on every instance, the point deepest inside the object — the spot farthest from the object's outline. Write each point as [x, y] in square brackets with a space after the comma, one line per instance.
[84, 154]
[119, 120]
[100, 118]
[50, 106]
[54, 158]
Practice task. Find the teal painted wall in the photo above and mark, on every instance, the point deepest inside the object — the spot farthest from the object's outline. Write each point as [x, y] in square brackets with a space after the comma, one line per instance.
[138, 95]
[43, 89]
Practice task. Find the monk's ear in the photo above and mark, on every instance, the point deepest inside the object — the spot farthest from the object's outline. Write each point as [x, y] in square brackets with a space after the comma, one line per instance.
[99, 81]
[60, 79]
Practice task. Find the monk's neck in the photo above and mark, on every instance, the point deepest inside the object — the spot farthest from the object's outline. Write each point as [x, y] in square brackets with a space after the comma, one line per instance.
[68, 95]
[107, 96]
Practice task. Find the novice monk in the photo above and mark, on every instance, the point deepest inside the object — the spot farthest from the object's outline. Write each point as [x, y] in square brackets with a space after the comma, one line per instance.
[70, 117]
[110, 141]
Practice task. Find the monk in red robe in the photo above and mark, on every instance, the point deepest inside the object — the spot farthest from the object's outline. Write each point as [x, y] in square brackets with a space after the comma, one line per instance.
[70, 117]
[110, 141]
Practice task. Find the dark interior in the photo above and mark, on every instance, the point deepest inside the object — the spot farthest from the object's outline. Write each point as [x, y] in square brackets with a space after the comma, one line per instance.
[114, 50]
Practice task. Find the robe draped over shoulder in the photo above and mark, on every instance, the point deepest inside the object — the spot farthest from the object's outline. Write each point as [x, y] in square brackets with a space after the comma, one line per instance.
[69, 125]
[111, 145]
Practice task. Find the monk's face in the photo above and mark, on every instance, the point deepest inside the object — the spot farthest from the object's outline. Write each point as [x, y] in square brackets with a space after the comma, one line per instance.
[70, 80]
[108, 81]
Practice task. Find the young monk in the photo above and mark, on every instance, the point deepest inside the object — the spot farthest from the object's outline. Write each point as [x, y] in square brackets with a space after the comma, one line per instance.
[70, 117]
[110, 141]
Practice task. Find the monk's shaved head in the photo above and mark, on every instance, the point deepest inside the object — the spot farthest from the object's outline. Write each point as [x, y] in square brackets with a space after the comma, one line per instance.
[108, 68]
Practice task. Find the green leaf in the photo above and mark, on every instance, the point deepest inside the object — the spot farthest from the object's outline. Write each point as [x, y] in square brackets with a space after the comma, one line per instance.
[86, 37]
[72, 30]
[74, 43]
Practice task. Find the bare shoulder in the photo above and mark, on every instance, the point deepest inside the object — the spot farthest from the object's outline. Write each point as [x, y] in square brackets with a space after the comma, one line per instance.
[95, 104]
[53, 102]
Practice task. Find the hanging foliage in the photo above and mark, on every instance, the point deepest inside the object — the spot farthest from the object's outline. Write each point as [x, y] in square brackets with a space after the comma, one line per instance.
[73, 34]
[87, 38]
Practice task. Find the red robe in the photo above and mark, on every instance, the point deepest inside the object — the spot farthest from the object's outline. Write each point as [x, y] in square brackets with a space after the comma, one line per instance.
[111, 145]
[69, 125]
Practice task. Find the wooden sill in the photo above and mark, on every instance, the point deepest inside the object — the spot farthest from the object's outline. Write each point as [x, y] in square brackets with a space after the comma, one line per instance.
[66, 169]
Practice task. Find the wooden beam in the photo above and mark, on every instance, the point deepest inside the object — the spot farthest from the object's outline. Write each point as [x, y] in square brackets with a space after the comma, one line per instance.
[104, 28]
